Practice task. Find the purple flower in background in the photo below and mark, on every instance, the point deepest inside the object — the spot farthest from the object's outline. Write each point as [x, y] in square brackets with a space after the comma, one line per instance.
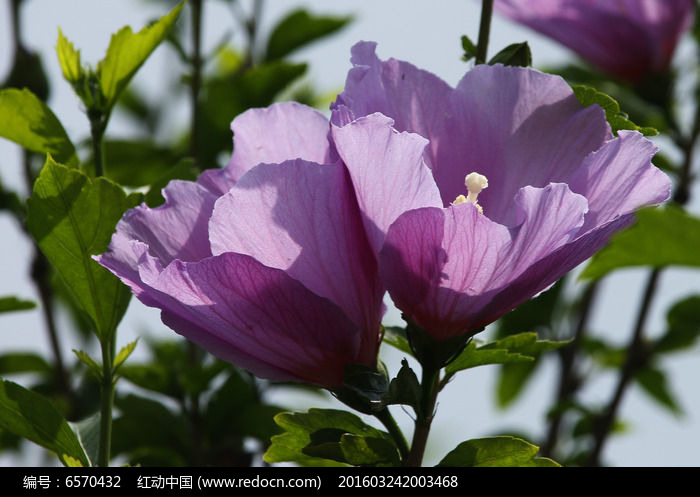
[625, 38]
[265, 263]
[478, 197]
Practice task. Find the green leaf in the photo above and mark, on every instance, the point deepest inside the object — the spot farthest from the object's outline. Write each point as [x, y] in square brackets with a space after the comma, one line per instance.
[474, 356]
[404, 389]
[137, 163]
[88, 433]
[512, 380]
[363, 387]
[617, 119]
[517, 54]
[396, 337]
[523, 347]
[73, 217]
[299, 427]
[683, 326]
[128, 51]
[298, 29]
[469, 48]
[495, 452]
[9, 304]
[653, 382]
[30, 415]
[355, 450]
[124, 354]
[69, 60]
[92, 365]
[661, 237]
[28, 121]
[534, 315]
[23, 362]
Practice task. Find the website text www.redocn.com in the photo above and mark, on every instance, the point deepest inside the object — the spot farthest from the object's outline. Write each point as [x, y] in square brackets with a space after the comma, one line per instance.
[258, 482]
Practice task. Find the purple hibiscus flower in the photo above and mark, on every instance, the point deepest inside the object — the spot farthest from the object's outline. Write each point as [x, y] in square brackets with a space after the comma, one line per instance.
[478, 197]
[625, 38]
[265, 263]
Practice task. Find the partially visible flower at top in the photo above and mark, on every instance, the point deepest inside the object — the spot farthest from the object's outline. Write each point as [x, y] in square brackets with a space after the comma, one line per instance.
[265, 263]
[625, 38]
[546, 184]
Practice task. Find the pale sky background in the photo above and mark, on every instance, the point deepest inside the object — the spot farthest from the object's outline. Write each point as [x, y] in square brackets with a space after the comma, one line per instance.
[426, 34]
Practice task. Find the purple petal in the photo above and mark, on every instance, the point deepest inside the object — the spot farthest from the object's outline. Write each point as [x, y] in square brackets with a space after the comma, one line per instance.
[258, 318]
[178, 229]
[277, 133]
[626, 38]
[387, 171]
[417, 100]
[514, 125]
[620, 178]
[303, 218]
[443, 266]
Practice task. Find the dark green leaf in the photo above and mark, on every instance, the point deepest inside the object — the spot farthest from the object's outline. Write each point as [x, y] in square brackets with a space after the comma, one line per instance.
[617, 119]
[137, 163]
[431, 353]
[661, 237]
[31, 416]
[298, 29]
[683, 326]
[18, 362]
[298, 428]
[352, 449]
[653, 382]
[495, 452]
[27, 121]
[9, 304]
[606, 355]
[517, 54]
[72, 218]
[363, 387]
[534, 315]
[469, 48]
[128, 51]
[404, 389]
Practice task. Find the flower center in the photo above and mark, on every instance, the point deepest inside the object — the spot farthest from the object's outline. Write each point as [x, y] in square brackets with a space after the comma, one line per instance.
[474, 182]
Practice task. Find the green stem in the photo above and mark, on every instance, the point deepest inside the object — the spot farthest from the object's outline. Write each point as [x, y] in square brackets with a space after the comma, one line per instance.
[98, 123]
[106, 402]
[385, 417]
[484, 31]
[430, 387]
[196, 82]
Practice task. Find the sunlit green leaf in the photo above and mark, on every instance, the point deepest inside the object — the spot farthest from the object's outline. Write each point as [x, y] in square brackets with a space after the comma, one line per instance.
[661, 237]
[127, 51]
[617, 119]
[9, 304]
[469, 48]
[69, 59]
[27, 121]
[88, 433]
[31, 416]
[299, 28]
[72, 218]
[495, 452]
[124, 354]
[523, 347]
